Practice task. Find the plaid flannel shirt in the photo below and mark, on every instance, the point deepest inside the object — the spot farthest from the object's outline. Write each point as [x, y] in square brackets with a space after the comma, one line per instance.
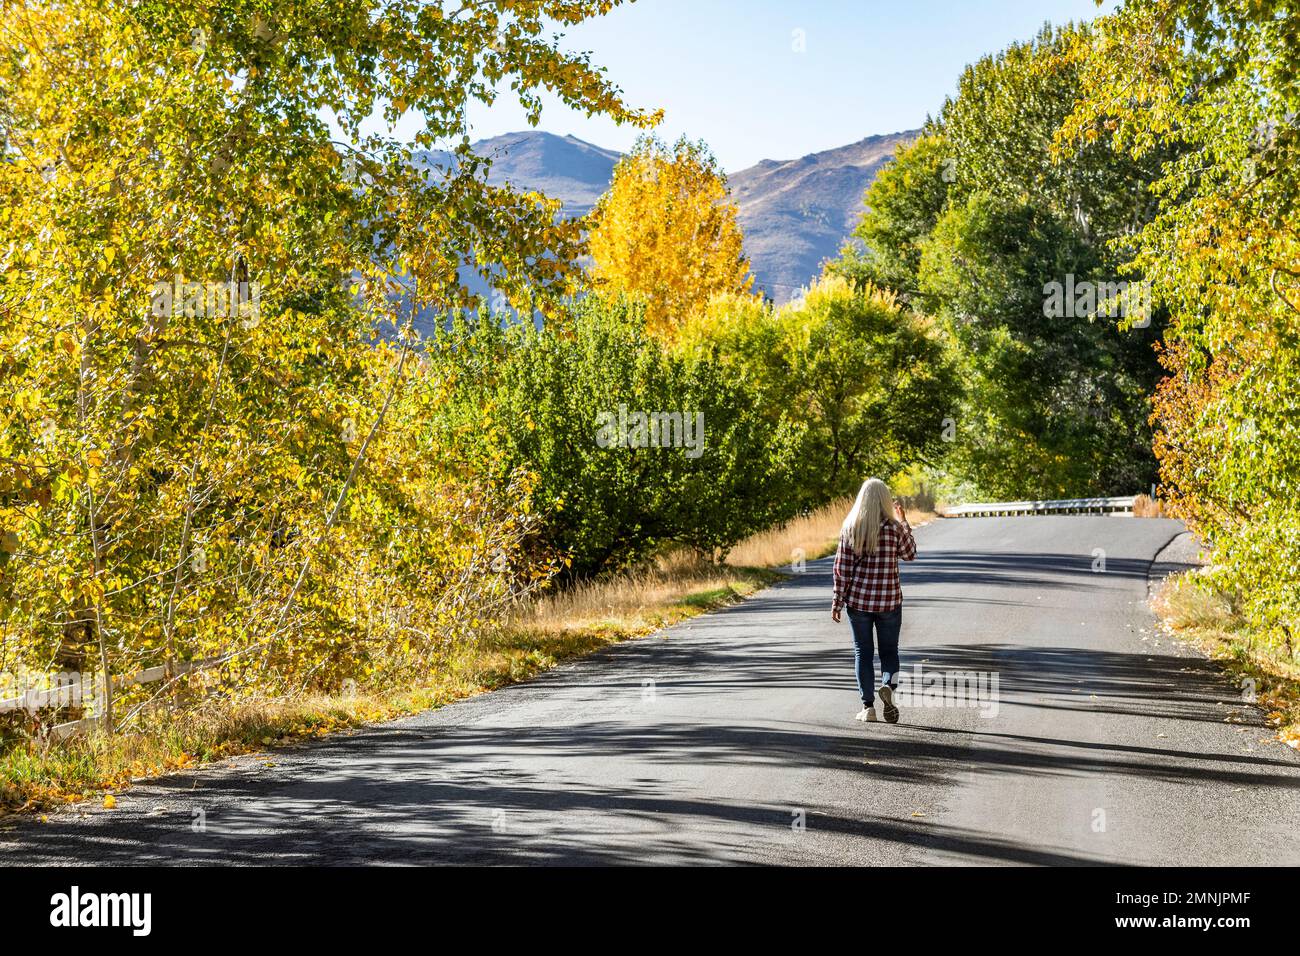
[869, 582]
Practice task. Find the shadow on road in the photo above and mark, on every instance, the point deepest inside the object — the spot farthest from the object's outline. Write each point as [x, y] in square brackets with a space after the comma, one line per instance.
[576, 767]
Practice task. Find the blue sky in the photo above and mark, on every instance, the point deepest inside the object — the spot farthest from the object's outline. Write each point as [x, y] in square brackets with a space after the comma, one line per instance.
[730, 71]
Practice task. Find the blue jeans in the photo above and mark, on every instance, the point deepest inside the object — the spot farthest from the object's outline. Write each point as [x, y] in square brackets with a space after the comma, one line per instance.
[887, 625]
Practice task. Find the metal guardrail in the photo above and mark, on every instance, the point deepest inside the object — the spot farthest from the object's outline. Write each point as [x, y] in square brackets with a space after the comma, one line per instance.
[1065, 506]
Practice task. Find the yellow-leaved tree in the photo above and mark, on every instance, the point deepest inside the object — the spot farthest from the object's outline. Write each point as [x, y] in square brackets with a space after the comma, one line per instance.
[212, 467]
[666, 232]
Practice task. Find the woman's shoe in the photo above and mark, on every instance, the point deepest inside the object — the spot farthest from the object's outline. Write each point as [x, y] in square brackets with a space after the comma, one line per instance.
[868, 714]
[887, 698]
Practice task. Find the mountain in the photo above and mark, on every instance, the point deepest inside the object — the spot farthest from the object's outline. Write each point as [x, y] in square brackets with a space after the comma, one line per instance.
[795, 213]
[562, 167]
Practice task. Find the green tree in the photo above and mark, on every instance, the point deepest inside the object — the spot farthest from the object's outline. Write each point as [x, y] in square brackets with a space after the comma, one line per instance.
[1217, 85]
[869, 383]
[1051, 410]
[906, 199]
[974, 224]
[559, 396]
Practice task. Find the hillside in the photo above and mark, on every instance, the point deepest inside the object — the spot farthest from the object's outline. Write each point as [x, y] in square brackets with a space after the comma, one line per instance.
[795, 213]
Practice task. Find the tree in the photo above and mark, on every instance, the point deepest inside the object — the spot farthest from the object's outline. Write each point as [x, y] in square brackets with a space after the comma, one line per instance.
[666, 232]
[1218, 85]
[905, 201]
[633, 445]
[873, 382]
[1051, 410]
[867, 383]
[975, 223]
[204, 454]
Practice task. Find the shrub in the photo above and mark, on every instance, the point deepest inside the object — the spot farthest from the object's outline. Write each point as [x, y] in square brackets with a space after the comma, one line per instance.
[556, 399]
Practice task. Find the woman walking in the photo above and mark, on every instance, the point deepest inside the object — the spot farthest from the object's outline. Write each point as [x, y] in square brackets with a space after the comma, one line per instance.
[874, 538]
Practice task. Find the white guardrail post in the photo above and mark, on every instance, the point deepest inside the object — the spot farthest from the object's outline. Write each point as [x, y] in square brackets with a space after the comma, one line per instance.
[1068, 506]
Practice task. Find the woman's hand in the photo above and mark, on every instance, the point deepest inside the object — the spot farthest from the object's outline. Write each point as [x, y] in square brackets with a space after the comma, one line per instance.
[835, 615]
[899, 514]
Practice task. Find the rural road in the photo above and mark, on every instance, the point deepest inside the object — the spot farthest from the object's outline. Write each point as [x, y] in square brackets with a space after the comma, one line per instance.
[731, 739]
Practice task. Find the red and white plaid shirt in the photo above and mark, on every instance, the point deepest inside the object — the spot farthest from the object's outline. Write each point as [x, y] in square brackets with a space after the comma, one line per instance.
[869, 582]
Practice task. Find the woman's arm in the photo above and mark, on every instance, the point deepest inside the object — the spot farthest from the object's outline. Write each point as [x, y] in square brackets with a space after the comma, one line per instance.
[906, 543]
[838, 576]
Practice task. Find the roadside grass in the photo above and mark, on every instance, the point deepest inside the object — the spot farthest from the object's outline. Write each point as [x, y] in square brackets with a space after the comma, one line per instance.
[37, 775]
[918, 517]
[1191, 610]
[638, 601]
[815, 534]
[1144, 506]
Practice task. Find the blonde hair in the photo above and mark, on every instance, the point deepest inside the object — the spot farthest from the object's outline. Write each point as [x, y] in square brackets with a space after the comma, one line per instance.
[873, 506]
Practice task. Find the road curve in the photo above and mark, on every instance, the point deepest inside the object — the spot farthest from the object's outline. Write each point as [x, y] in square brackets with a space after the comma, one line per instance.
[731, 739]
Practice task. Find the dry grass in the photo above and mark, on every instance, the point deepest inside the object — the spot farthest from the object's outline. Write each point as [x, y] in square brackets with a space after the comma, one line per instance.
[36, 775]
[1144, 506]
[813, 534]
[917, 517]
[636, 600]
[1192, 611]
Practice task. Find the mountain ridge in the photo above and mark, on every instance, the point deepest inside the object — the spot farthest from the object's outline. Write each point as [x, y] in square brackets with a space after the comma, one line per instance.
[794, 213]
[797, 213]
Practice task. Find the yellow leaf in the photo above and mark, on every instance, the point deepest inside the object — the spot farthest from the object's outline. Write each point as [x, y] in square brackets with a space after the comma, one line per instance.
[110, 801]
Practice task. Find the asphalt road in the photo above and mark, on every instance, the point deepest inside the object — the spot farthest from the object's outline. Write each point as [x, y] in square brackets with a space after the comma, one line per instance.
[731, 739]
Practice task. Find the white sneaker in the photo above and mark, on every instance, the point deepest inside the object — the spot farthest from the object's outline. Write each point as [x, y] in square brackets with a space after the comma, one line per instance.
[867, 714]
